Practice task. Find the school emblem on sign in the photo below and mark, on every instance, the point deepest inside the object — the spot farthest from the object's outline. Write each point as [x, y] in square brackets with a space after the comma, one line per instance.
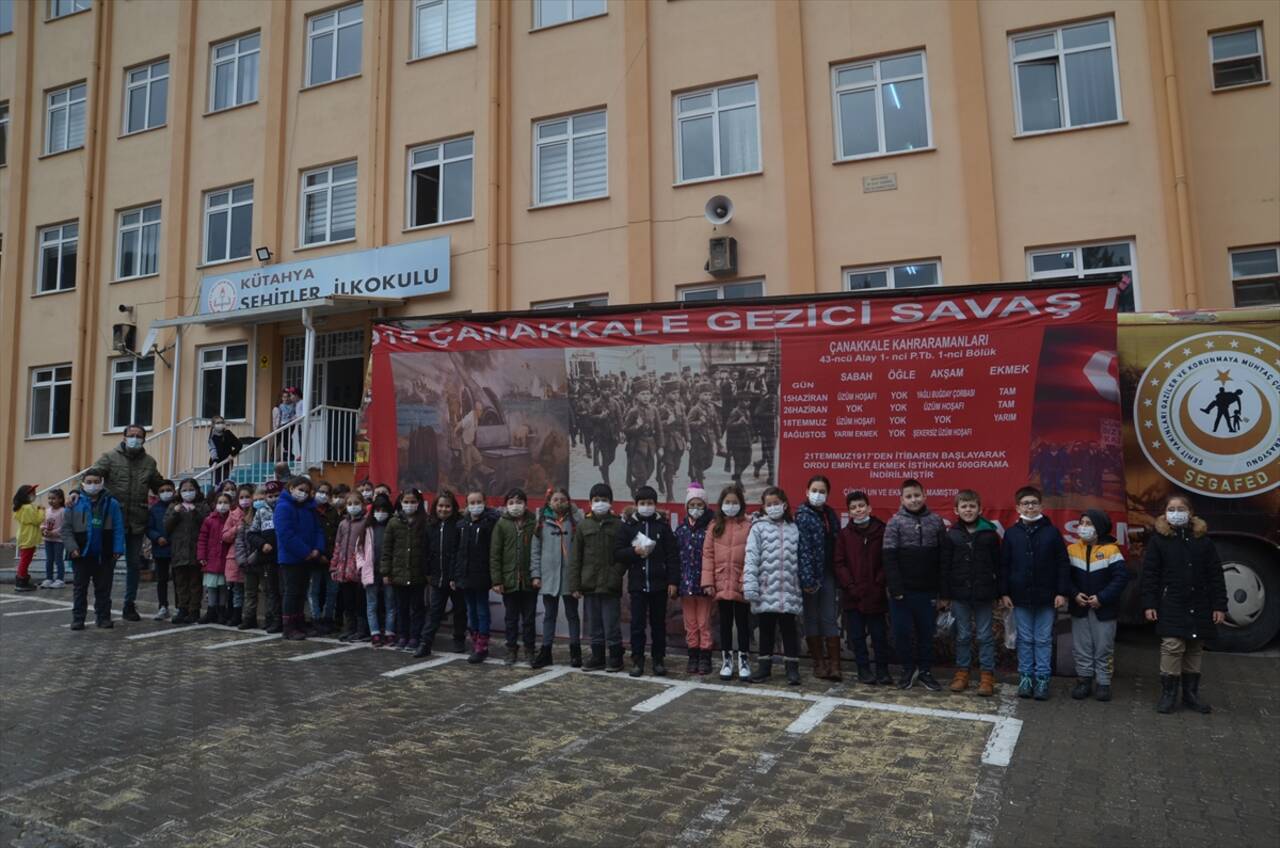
[222, 296]
[1207, 414]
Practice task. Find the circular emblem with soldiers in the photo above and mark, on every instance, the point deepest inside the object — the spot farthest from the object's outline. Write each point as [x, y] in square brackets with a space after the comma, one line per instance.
[1207, 414]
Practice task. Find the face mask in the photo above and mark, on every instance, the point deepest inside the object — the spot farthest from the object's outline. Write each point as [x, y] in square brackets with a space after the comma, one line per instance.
[731, 509]
[354, 509]
[381, 517]
[300, 495]
[259, 504]
[223, 507]
[646, 511]
[1087, 534]
[367, 494]
[515, 510]
[475, 510]
[409, 508]
[188, 495]
[1176, 517]
[218, 428]
[132, 442]
[245, 503]
[696, 512]
[322, 497]
[775, 511]
[562, 508]
[600, 507]
[863, 520]
[165, 497]
[92, 488]
[817, 498]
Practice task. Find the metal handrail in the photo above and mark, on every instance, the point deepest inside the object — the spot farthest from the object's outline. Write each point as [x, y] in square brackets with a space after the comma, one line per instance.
[80, 473]
[267, 439]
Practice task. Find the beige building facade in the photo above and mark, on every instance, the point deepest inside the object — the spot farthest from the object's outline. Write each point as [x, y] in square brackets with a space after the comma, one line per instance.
[562, 151]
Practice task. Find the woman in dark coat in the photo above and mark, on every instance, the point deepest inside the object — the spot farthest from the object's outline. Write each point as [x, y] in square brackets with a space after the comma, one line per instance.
[1184, 593]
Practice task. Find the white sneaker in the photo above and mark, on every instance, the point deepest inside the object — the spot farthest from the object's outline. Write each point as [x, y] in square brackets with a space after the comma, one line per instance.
[57, 584]
[161, 614]
[726, 668]
[46, 584]
[744, 665]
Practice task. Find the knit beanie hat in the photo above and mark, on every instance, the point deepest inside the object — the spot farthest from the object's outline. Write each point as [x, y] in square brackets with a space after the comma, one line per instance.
[695, 490]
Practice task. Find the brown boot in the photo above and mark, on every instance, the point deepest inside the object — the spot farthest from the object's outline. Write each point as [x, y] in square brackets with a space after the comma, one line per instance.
[987, 684]
[815, 654]
[960, 682]
[833, 659]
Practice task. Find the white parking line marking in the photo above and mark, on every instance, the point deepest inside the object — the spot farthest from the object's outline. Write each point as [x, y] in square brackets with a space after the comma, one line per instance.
[188, 628]
[317, 654]
[37, 612]
[410, 669]
[537, 679]
[674, 691]
[1002, 741]
[812, 717]
[235, 643]
[34, 599]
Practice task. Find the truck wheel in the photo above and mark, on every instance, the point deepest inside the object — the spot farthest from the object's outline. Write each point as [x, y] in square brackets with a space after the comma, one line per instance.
[1253, 597]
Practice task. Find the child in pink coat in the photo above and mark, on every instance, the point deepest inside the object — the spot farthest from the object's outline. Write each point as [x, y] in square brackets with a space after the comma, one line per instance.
[211, 553]
[237, 523]
[352, 555]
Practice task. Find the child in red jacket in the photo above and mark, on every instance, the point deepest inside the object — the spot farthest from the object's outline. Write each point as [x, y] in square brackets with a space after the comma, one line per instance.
[860, 572]
[211, 553]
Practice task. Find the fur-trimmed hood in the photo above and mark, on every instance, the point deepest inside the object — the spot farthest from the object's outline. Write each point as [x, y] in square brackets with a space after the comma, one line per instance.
[1198, 527]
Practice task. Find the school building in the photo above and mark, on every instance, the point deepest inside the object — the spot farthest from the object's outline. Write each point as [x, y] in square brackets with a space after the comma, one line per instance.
[202, 201]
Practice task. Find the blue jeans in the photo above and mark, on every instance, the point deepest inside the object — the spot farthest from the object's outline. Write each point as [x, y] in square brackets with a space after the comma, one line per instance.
[132, 564]
[55, 555]
[913, 616]
[322, 587]
[477, 610]
[1035, 638]
[371, 608]
[389, 607]
[966, 616]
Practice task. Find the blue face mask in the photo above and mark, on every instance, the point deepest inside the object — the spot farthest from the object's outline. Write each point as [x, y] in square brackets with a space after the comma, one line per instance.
[259, 504]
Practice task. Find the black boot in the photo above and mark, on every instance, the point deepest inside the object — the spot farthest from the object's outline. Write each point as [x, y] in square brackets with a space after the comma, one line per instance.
[615, 660]
[1168, 693]
[513, 655]
[237, 616]
[659, 668]
[865, 676]
[793, 672]
[595, 662]
[250, 623]
[575, 656]
[883, 677]
[764, 670]
[704, 661]
[694, 659]
[543, 659]
[1191, 694]
[1084, 686]
[209, 617]
[130, 612]
[274, 625]
[424, 650]
[637, 666]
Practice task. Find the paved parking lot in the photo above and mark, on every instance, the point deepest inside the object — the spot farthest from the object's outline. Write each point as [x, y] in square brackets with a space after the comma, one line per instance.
[151, 735]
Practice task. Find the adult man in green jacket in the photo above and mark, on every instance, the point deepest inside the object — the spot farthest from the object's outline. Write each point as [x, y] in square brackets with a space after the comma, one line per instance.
[593, 574]
[131, 475]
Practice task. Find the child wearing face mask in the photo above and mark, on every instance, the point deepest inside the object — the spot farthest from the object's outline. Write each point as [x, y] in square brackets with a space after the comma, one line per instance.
[211, 551]
[403, 567]
[695, 602]
[859, 567]
[818, 525]
[1035, 573]
[647, 548]
[323, 594]
[1185, 594]
[511, 571]
[365, 489]
[223, 445]
[51, 532]
[596, 579]
[28, 517]
[912, 555]
[161, 554]
[724, 551]
[301, 547]
[262, 574]
[233, 534]
[1098, 577]
[549, 564]
[969, 582]
[379, 600]
[182, 524]
[771, 582]
[93, 533]
[442, 554]
[471, 570]
[351, 556]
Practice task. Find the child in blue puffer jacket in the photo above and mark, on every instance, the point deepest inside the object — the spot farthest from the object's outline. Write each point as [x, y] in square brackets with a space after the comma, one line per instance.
[161, 553]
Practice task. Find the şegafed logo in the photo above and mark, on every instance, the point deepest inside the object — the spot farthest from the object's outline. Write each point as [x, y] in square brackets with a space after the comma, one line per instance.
[1207, 414]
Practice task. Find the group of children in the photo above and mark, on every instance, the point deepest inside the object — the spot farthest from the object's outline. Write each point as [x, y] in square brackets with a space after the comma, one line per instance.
[388, 571]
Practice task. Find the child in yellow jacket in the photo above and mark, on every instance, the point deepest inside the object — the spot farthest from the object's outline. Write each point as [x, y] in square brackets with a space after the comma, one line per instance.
[28, 517]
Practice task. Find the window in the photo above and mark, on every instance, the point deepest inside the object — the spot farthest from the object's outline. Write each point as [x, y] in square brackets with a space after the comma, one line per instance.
[6, 16]
[908, 275]
[570, 158]
[224, 380]
[882, 106]
[573, 302]
[1081, 261]
[132, 390]
[1236, 57]
[234, 76]
[443, 25]
[228, 223]
[329, 204]
[4, 132]
[333, 44]
[62, 8]
[57, 270]
[138, 246]
[440, 178]
[1255, 275]
[722, 291]
[50, 401]
[64, 120]
[550, 12]
[717, 132]
[146, 94]
[1066, 77]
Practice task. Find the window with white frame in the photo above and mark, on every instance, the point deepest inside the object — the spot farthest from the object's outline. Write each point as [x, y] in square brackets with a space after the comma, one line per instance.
[440, 181]
[64, 119]
[1236, 57]
[329, 204]
[904, 275]
[4, 133]
[440, 26]
[717, 132]
[882, 106]
[57, 264]
[234, 72]
[1255, 275]
[1090, 260]
[146, 96]
[224, 381]
[333, 44]
[50, 401]
[132, 391]
[722, 291]
[138, 242]
[1065, 77]
[62, 8]
[550, 12]
[572, 302]
[228, 223]
[570, 158]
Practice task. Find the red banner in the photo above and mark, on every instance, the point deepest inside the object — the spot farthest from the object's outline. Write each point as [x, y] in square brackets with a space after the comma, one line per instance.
[981, 389]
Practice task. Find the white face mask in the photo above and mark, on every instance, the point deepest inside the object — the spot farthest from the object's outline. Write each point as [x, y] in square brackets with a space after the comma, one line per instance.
[515, 510]
[1087, 534]
[300, 495]
[862, 520]
[132, 442]
[731, 509]
[380, 517]
[817, 498]
[322, 497]
[92, 488]
[646, 511]
[476, 510]
[188, 495]
[245, 503]
[165, 497]
[354, 509]
[409, 508]
[696, 512]
[1176, 517]
[218, 428]
[367, 494]
[223, 507]
[600, 507]
[775, 511]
